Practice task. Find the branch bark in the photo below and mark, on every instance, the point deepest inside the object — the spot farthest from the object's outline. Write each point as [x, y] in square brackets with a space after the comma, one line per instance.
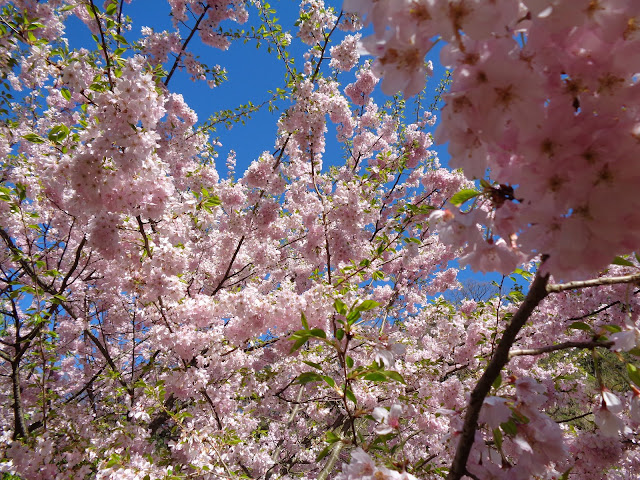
[19, 424]
[559, 346]
[595, 282]
[537, 293]
[184, 45]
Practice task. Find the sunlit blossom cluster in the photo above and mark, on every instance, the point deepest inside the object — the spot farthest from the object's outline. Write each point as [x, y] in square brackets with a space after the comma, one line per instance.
[541, 100]
[165, 313]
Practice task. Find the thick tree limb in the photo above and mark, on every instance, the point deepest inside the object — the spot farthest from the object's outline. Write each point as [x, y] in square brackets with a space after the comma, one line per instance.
[537, 293]
[19, 423]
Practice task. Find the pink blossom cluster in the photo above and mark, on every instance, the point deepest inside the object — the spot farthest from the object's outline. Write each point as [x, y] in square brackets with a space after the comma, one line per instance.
[211, 13]
[541, 98]
[345, 56]
[165, 315]
[160, 44]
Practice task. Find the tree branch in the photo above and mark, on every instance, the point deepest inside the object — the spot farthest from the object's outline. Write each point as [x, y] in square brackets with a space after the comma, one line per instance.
[599, 310]
[226, 274]
[595, 282]
[19, 424]
[107, 357]
[537, 293]
[103, 42]
[145, 239]
[184, 46]
[559, 346]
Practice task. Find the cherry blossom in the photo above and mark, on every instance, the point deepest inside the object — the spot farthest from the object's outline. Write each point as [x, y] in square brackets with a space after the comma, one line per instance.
[173, 307]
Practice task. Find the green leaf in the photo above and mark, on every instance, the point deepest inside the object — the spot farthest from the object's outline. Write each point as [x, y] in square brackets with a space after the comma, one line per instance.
[497, 437]
[121, 39]
[510, 427]
[58, 133]
[340, 334]
[516, 296]
[523, 273]
[97, 87]
[33, 138]
[565, 475]
[349, 362]
[635, 351]
[317, 332]
[308, 377]
[329, 381]
[612, 328]
[349, 394]
[312, 364]
[340, 307]
[65, 93]
[366, 306]
[353, 317]
[393, 375]
[622, 261]
[497, 382]
[580, 326]
[111, 8]
[331, 437]
[323, 453]
[375, 377]
[634, 374]
[298, 343]
[303, 317]
[463, 195]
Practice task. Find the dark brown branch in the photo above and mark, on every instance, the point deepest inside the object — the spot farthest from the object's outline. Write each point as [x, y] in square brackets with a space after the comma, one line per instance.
[107, 357]
[226, 274]
[119, 28]
[76, 261]
[184, 46]
[324, 47]
[537, 293]
[599, 310]
[5, 356]
[105, 50]
[145, 239]
[83, 389]
[19, 424]
[559, 346]
[577, 417]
